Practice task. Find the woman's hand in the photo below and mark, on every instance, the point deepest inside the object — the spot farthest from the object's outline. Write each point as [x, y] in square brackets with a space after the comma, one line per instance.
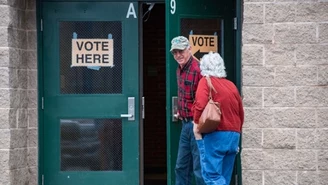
[198, 136]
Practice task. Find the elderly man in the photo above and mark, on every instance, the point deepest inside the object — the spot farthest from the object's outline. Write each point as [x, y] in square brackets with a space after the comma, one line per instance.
[188, 76]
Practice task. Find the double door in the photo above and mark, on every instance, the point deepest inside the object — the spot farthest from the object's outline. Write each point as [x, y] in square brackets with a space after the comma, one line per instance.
[91, 112]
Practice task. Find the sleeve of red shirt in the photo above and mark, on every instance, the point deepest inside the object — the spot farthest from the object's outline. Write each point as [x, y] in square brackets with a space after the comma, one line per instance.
[200, 100]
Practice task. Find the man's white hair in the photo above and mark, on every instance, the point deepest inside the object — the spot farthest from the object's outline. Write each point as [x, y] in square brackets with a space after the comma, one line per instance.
[212, 64]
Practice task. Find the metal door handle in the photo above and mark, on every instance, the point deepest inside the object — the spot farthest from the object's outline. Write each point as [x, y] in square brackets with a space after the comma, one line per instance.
[126, 115]
[174, 109]
[131, 111]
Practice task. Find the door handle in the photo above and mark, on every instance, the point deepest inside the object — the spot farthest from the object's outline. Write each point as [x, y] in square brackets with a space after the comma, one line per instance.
[143, 107]
[126, 115]
[131, 111]
[174, 109]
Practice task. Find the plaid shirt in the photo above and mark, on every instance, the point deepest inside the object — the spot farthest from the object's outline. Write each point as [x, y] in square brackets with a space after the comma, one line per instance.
[187, 78]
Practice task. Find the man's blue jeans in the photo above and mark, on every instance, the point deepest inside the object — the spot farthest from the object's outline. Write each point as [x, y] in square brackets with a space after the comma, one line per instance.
[188, 160]
[217, 152]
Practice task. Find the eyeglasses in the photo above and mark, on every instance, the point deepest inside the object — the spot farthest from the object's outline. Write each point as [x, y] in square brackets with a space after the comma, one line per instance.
[176, 51]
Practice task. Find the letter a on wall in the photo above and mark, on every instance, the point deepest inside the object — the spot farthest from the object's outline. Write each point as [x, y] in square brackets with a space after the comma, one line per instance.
[131, 11]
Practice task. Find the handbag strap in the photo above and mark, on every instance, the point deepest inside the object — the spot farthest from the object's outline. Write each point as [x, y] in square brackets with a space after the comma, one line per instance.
[210, 85]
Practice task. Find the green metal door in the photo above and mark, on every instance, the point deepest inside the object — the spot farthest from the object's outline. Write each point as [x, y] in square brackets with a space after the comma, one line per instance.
[198, 20]
[90, 93]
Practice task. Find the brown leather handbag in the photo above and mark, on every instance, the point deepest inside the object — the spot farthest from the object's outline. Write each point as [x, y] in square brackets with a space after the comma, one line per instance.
[211, 115]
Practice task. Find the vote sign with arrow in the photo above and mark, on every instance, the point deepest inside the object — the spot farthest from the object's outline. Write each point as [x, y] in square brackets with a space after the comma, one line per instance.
[202, 44]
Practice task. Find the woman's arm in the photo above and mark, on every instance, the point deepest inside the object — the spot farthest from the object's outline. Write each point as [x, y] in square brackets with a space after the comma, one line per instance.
[201, 99]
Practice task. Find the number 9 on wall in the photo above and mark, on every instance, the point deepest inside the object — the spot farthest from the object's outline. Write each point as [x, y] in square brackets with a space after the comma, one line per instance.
[173, 6]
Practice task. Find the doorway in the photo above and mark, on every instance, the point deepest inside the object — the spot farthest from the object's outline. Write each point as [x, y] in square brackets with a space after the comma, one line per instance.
[85, 107]
[154, 88]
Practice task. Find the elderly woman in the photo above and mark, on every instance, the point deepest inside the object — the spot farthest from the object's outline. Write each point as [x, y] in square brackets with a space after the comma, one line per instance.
[218, 149]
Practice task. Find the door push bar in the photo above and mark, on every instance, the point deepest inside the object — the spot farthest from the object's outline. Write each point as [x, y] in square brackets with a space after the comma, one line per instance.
[174, 109]
[131, 112]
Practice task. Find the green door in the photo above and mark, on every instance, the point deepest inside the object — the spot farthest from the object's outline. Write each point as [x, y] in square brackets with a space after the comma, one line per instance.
[201, 22]
[90, 93]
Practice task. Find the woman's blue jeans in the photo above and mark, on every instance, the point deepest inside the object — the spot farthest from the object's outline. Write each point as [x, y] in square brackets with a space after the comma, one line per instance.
[217, 152]
[188, 160]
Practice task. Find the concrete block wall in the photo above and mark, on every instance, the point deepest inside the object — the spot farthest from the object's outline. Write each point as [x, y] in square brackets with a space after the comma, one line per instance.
[18, 92]
[285, 88]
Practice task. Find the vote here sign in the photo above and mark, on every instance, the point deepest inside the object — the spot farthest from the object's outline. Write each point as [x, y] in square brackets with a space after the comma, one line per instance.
[203, 43]
[92, 52]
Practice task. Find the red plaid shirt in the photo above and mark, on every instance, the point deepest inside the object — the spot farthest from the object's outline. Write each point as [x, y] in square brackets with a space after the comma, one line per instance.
[187, 78]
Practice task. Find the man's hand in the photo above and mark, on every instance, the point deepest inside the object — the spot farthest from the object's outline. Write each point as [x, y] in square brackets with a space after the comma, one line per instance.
[177, 115]
[198, 136]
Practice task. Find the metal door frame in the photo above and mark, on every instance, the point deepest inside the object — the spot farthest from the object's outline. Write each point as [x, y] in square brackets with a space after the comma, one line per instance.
[238, 59]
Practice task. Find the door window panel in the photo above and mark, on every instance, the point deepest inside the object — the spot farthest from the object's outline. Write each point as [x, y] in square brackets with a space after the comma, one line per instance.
[84, 80]
[91, 144]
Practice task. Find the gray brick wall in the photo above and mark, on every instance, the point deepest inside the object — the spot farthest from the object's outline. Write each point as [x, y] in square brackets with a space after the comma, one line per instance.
[285, 89]
[18, 89]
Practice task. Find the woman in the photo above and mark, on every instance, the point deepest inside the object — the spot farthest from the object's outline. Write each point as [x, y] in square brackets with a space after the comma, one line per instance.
[218, 149]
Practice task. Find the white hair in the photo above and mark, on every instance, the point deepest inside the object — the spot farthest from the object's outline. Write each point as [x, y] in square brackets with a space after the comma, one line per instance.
[212, 64]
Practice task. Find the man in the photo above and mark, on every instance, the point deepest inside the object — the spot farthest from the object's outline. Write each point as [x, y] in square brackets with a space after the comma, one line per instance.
[188, 76]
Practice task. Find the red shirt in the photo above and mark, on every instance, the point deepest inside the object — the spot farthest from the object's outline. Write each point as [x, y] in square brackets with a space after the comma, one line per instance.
[227, 95]
[187, 79]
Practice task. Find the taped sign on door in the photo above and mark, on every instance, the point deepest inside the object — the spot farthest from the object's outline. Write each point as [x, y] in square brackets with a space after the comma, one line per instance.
[92, 52]
[203, 43]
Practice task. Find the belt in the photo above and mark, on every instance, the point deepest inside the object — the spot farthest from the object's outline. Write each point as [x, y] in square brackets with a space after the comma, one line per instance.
[186, 119]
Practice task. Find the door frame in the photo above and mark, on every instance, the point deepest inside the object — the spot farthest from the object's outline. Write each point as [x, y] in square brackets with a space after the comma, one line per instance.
[40, 75]
[40, 91]
[170, 76]
[238, 73]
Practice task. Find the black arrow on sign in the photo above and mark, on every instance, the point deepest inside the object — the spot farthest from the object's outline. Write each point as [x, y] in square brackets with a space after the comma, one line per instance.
[199, 54]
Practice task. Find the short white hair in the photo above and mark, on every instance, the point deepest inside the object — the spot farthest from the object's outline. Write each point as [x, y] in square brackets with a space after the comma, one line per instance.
[212, 64]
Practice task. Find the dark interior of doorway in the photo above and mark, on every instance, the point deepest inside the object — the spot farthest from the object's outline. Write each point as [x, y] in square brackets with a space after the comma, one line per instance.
[154, 92]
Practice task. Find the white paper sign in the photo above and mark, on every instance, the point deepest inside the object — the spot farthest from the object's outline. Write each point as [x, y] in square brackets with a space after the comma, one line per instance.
[92, 52]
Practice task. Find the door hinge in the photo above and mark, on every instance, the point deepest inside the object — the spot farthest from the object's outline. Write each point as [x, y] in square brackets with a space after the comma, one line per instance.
[41, 24]
[235, 24]
[143, 107]
[42, 103]
[42, 179]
